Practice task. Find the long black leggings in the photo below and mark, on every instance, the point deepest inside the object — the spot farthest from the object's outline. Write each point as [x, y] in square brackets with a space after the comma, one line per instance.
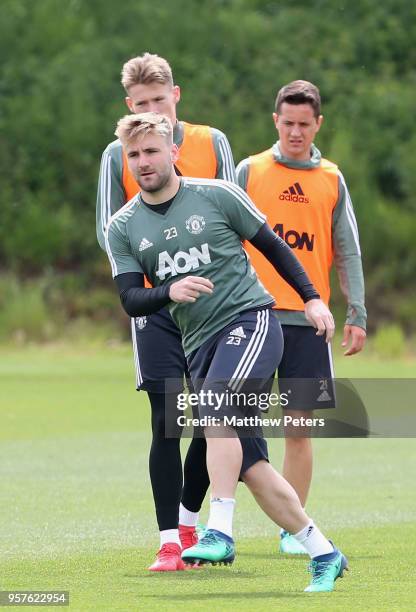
[165, 467]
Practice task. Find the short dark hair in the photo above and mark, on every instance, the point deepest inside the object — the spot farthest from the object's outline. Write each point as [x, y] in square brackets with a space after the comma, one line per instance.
[299, 92]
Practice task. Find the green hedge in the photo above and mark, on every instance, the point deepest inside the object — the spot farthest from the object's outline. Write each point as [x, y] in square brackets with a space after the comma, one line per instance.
[60, 99]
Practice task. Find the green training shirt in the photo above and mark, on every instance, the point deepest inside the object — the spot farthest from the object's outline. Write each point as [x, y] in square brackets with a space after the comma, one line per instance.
[200, 235]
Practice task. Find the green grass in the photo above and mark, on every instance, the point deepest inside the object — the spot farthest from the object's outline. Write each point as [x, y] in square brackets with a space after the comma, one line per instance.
[76, 511]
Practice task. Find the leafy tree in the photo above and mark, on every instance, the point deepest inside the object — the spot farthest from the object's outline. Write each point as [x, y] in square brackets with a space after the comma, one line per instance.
[61, 97]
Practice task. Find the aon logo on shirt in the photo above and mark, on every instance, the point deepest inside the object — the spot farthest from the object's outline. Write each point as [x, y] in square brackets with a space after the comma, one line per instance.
[294, 239]
[182, 262]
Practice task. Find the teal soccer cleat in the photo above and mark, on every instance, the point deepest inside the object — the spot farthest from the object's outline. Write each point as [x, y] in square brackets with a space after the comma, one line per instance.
[214, 547]
[324, 573]
[290, 546]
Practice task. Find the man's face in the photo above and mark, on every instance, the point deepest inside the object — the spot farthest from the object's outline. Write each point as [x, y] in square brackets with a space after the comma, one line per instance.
[159, 98]
[151, 160]
[297, 127]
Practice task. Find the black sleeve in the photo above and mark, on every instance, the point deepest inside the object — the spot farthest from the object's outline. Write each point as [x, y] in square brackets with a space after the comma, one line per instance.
[138, 300]
[284, 261]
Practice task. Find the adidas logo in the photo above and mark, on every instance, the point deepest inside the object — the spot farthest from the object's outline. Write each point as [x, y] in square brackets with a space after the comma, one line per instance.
[294, 193]
[238, 331]
[324, 397]
[145, 244]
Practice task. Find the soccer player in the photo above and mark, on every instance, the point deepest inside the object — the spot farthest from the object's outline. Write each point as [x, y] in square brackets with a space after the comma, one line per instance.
[194, 258]
[307, 203]
[204, 152]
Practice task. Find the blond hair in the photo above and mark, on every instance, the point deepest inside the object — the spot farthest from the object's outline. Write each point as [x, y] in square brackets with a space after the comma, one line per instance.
[145, 69]
[130, 127]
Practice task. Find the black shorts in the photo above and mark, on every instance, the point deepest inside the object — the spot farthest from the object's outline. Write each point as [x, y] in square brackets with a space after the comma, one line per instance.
[248, 349]
[158, 352]
[254, 450]
[306, 369]
[240, 358]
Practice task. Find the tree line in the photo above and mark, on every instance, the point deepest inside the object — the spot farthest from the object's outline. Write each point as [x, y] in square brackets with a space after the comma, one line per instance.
[61, 97]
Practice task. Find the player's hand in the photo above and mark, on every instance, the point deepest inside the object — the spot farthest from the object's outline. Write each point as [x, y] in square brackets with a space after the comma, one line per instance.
[356, 336]
[321, 318]
[189, 289]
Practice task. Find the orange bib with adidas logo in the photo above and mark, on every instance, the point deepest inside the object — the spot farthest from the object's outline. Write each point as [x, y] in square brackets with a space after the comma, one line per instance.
[299, 205]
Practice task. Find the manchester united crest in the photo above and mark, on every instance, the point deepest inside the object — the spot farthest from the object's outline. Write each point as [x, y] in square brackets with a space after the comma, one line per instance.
[195, 224]
[141, 322]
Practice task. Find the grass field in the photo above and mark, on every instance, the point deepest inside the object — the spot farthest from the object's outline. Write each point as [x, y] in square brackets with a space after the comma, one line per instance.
[76, 509]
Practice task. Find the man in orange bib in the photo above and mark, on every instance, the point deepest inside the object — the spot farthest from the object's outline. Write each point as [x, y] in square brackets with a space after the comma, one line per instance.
[307, 203]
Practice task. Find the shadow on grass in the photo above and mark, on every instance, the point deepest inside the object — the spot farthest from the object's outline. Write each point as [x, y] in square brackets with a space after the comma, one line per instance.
[353, 557]
[197, 574]
[233, 595]
[275, 556]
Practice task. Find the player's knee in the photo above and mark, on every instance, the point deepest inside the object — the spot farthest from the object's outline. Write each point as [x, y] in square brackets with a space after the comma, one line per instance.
[297, 444]
[164, 423]
[158, 424]
[253, 477]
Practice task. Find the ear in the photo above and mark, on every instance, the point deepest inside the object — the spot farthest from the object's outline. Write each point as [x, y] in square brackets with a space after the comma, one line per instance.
[129, 103]
[174, 153]
[176, 93]
[319, 122]
[275, 119]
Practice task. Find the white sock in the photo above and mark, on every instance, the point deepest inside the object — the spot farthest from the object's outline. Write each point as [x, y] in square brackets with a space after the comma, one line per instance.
[169, 536]
[221, 515]
[313, 540]
[187, 518]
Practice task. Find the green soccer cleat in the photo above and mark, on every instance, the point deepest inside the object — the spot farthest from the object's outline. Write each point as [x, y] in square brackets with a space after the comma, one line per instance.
[324, 573]
[290, 546]
[214, 547]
